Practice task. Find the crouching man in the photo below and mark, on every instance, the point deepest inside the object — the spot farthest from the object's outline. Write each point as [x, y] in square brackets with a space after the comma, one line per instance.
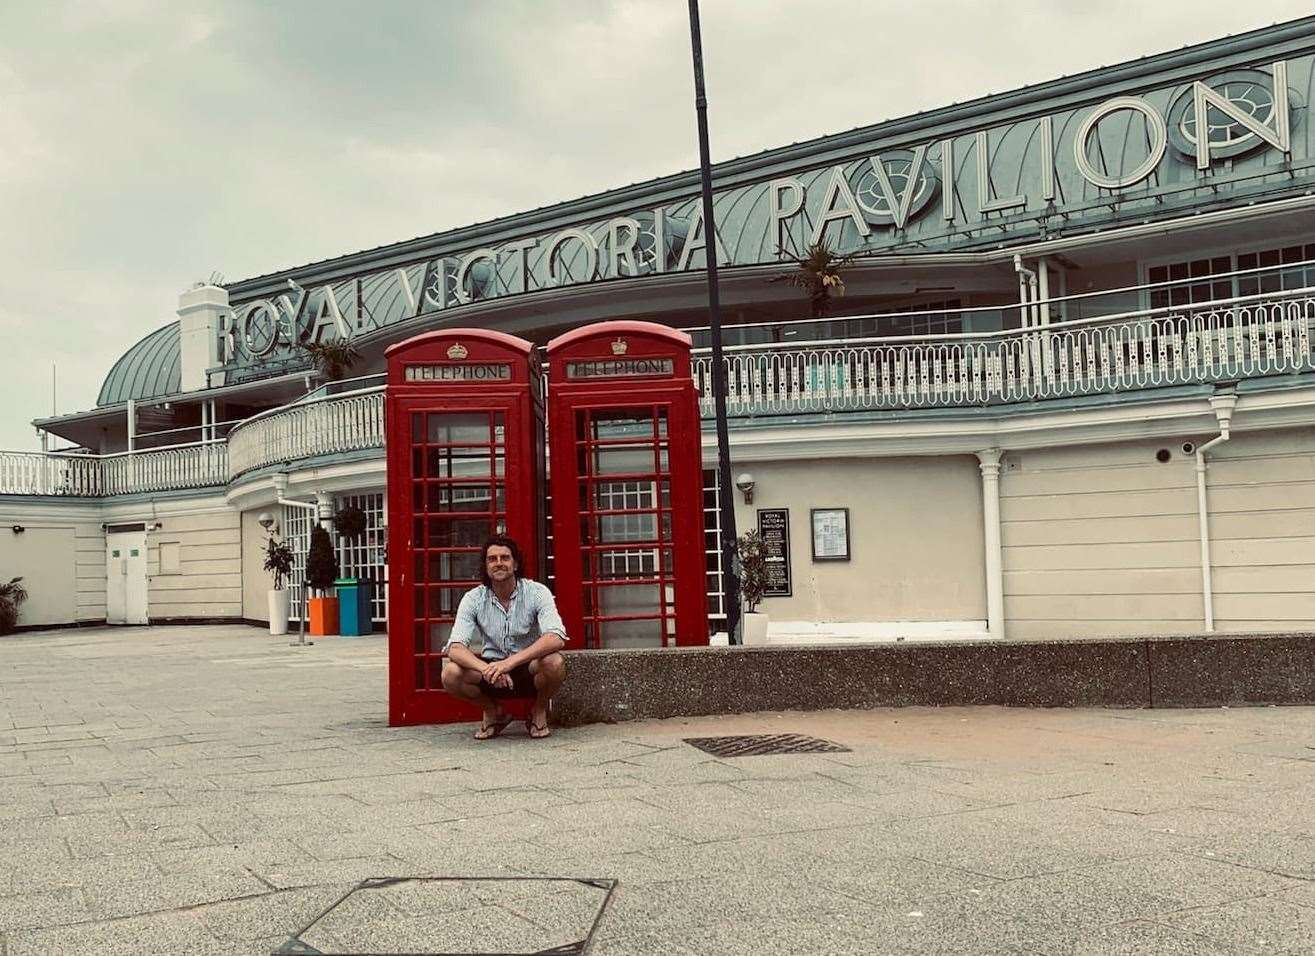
[523, 638]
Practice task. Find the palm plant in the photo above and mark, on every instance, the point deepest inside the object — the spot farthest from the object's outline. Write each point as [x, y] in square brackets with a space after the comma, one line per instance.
[11, 595]
[332, 359]
[278, 562]
[818, 274]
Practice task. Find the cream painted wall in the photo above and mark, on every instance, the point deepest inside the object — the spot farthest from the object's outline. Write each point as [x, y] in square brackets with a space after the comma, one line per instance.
[256, 582]
[89, 558]
[61, 557]
[1261, 489]
[1104, 539]
[208, 582]
[915, 538]
[1100, 539]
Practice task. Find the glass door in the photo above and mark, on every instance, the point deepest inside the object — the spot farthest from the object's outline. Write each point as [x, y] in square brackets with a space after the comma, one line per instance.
[627, 571]
[458, 478]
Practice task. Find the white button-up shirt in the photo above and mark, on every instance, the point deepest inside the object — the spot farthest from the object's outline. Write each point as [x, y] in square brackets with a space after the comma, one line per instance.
[532, 613]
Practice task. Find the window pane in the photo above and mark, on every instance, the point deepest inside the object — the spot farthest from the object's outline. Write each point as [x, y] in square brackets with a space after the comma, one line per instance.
[459, 427]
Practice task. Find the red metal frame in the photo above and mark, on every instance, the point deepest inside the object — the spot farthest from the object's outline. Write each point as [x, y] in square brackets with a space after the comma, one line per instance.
[650, 544]
[463, 459]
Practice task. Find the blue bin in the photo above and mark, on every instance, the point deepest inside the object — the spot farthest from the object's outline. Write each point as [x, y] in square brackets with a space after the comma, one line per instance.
[355, 606]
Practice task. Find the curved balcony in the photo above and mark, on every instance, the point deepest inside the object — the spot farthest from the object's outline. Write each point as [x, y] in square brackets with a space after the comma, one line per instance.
[1220, 341]
[203, 465]
[323, 425]
[1224, 340]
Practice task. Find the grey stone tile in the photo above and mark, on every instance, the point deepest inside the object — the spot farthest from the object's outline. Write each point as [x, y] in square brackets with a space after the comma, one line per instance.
[1188, 880]
[1145, 938]
[168, 891]
[158, 933]
[273, 915]
[1262, 925]
[48, 908]
[364, 922]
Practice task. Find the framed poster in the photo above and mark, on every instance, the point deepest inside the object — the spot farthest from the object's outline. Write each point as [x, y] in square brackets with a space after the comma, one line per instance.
[774, 526]
[830, 534]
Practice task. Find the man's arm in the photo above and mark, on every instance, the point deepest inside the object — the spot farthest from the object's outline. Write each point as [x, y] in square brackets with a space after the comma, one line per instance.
[463, 629]
[552, 636]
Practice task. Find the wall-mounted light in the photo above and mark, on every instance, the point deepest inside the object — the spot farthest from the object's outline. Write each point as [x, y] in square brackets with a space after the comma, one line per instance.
[745, 483]
[18, 529]
[157, 525]
[266, 521]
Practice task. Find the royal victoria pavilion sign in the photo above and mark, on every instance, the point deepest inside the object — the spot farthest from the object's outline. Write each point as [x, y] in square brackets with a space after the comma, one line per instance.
[1120, 157]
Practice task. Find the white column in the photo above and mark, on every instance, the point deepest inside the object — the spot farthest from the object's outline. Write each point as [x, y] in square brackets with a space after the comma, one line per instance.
[1043, 280]
[989, 461]
[324, 512]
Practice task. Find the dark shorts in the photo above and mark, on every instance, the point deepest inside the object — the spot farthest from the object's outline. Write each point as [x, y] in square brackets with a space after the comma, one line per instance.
[522, 684]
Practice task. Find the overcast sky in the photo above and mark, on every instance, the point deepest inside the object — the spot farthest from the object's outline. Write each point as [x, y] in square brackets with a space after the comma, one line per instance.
[145, 144]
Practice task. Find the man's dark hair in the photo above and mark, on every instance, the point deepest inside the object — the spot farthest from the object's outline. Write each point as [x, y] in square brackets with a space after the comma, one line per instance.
[499, 541]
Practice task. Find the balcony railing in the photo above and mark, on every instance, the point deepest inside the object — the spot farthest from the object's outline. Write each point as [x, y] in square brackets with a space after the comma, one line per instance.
[328, 425]
[202, 465]
[1224, 340]
[1229, 339]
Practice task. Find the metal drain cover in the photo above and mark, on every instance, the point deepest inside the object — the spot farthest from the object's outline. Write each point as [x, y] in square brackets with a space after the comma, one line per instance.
[444, 916]
[758, 745]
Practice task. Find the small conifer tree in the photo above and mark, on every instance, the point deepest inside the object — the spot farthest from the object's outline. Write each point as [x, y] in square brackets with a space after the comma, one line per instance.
[321, 561]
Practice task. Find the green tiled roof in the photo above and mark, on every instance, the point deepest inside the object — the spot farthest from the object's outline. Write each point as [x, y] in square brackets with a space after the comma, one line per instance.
[150, 369]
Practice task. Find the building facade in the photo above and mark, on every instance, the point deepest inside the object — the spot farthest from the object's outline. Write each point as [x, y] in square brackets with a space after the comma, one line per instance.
[1068, 390]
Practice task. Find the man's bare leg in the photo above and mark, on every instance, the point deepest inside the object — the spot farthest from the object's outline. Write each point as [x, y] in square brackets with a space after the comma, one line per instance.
[549, 672]
[464, 682]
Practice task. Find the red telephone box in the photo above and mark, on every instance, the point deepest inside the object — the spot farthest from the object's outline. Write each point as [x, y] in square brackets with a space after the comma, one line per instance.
[627, 487]
[464, 439]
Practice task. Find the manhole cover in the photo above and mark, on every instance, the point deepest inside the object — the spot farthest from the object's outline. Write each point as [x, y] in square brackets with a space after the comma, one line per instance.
[758, 745]
[446, 916]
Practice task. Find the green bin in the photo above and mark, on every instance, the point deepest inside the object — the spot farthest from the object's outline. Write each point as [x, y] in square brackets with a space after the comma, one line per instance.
[355, 604]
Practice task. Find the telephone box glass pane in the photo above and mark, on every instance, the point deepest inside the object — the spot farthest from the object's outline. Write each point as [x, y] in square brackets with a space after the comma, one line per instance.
[460, 428]
[456, 462]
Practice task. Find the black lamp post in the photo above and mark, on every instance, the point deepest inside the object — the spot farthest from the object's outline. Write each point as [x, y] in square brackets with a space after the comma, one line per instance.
[726, 499]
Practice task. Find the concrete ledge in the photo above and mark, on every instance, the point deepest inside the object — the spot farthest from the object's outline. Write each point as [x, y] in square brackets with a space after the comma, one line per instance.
[1190, 671]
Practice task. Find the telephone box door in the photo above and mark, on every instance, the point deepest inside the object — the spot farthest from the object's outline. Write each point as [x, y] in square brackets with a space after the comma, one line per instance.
[463, 455]
[627, 486]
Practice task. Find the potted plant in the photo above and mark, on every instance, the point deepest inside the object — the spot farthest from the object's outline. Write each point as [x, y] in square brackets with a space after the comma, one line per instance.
[818, 274]
[11, 595]
[349, 522]
[333, 359]
[753, 582]
[278, 562]
[321, 572]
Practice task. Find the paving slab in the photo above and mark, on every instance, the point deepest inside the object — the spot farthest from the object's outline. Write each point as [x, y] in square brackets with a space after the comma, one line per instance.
[209, 789]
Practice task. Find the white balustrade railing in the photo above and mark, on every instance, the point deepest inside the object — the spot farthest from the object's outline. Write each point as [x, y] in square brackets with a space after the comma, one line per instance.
[164, 469]
[335, 424]
[202, 465]
[1224, 340]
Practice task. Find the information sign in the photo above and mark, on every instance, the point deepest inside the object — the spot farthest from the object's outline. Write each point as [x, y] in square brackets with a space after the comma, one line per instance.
[774, 526]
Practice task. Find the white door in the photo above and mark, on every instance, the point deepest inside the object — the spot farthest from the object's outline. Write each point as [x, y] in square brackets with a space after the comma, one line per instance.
[125, 571]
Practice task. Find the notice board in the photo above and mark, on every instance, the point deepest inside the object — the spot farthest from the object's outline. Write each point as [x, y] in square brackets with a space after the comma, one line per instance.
[774, 526]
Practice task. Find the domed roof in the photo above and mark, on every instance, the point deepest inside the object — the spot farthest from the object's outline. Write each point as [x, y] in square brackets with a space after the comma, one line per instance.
[150, 369]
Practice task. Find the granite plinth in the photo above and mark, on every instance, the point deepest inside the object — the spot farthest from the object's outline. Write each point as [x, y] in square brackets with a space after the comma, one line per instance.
[1187, 671]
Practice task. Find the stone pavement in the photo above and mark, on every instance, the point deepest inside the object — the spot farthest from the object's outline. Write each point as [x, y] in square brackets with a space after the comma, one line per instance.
[213, 790]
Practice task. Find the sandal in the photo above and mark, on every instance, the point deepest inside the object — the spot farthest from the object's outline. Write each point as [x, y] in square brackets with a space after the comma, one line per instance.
[538, 731]
[487, 731]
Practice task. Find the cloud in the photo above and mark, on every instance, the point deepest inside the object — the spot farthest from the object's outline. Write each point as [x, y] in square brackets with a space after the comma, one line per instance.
[149, 142]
